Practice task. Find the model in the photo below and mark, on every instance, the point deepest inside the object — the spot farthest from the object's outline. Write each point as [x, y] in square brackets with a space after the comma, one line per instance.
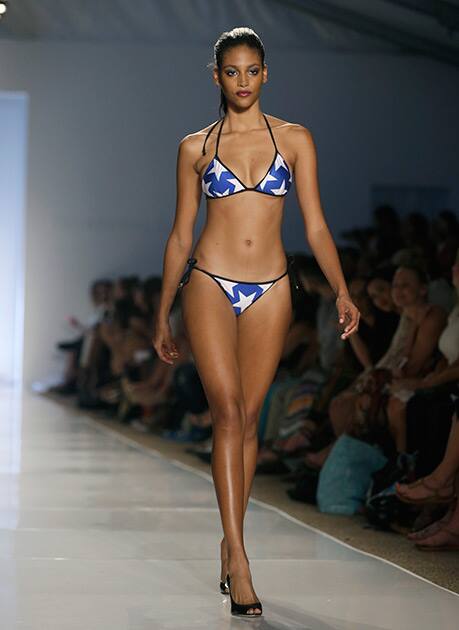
[237, 306]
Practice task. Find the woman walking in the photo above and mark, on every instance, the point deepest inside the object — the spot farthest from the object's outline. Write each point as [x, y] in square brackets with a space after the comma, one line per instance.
[237, 305]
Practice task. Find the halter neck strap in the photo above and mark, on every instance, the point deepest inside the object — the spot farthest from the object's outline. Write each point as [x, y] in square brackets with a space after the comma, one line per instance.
[218, 137]
[271, 133]
[207, 135]
[220, 131]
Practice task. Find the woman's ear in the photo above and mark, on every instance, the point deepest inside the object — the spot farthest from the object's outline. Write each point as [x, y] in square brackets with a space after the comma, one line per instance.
[265, 73]
[215, 76]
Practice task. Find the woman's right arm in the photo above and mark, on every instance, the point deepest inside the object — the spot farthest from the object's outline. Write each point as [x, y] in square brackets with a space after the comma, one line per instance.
[179, 242]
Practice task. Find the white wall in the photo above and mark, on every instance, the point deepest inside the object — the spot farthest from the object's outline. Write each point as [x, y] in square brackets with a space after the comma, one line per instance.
[13, 159]
[105, 121]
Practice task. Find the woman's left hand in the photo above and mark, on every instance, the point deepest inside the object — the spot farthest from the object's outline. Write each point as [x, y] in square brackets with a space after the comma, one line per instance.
[348, 314]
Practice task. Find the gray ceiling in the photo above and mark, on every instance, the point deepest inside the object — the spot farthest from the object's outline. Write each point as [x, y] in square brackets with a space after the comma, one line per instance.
[426, 27]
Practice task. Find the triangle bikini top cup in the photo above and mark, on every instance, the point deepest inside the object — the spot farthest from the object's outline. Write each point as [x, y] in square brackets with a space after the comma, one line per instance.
[219, 181]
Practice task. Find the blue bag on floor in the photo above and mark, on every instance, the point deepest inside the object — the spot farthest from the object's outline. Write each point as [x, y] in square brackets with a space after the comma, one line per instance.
[346, 475]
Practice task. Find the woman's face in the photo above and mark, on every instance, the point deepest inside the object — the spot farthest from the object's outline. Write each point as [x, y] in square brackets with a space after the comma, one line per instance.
[241, 71]
[380, 292]
[407, 288]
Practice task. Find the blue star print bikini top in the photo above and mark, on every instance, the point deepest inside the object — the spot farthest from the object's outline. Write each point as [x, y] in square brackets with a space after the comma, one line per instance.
[219, 181]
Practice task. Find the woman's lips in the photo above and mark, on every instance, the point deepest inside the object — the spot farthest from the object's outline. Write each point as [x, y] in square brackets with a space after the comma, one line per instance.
[243, 93]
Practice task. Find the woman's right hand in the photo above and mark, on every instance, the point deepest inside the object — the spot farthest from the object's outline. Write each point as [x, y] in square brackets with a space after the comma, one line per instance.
[164, 344]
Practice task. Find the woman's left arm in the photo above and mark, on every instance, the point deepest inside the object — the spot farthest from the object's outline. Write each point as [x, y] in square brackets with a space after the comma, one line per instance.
[317, 232]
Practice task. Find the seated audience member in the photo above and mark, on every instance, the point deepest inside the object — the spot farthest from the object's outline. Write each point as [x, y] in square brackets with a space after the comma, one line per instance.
[379, 289]
[411, 353]
[439, 382]
[376, 327]
[365, 348]
[439, 290]
[100, 299]
[157, 388]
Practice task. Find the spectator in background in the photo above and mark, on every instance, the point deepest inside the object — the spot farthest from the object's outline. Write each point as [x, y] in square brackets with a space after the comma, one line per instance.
[410, 354]
[440, 382]
[100, 296]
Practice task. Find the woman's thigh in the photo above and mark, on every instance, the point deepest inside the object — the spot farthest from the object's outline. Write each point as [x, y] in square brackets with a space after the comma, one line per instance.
[210, 324]
[261, 334]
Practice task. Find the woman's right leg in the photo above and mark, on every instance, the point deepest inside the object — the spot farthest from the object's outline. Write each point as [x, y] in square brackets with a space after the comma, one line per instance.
[210, 322]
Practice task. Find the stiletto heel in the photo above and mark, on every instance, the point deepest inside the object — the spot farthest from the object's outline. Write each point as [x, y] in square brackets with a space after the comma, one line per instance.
[224, 588]
[241, 609]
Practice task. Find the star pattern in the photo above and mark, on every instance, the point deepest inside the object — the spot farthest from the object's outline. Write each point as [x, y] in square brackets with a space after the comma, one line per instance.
[268, 178]
[219, 181]
[218, 169]
[281, 190]
[242, 294]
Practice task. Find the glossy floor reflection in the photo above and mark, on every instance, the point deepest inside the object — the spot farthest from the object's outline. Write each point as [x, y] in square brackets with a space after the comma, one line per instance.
[99, 534]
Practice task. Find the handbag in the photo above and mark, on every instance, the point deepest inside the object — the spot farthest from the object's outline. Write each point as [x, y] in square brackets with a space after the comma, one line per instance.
[345, 477]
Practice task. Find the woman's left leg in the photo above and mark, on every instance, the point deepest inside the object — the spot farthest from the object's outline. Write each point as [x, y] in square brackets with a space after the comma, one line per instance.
[262, 329]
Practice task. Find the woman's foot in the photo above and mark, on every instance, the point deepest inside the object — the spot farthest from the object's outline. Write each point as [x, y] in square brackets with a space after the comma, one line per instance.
[442, 540]
[434, 527]
[242, 589]
[428, 489]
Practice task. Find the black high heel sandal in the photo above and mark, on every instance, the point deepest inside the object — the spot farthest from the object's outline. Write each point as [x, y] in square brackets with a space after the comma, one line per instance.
[241, 609]
[224, 588]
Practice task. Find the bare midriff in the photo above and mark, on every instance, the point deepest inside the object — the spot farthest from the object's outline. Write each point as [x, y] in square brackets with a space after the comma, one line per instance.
[241, 238]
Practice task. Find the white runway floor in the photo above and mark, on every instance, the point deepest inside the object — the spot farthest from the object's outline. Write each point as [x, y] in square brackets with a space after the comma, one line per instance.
[97, 533]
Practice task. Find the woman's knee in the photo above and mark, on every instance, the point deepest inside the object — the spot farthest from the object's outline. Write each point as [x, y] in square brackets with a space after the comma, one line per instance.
[252, 416]
[228, 415]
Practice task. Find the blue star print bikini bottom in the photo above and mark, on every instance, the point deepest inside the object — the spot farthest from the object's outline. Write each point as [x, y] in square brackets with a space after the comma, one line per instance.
[241, 294]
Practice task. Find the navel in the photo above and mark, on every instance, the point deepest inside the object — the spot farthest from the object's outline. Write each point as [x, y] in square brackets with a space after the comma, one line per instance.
[248, 241]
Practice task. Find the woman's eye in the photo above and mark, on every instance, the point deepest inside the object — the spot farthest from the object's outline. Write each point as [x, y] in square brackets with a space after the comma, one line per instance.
[231, 73]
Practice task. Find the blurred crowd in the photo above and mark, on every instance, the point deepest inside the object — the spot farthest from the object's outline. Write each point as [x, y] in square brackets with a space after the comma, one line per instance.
[367, 425]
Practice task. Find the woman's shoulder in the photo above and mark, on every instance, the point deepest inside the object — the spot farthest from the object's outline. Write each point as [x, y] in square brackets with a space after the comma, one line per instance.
[293, 128]
[193, 142]
[195, 137]
[298, 136]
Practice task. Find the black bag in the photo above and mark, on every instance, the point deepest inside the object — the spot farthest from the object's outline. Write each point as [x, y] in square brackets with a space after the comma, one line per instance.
[383, 509]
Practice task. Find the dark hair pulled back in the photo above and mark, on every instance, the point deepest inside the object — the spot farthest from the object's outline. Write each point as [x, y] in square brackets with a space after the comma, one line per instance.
[241, 35]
